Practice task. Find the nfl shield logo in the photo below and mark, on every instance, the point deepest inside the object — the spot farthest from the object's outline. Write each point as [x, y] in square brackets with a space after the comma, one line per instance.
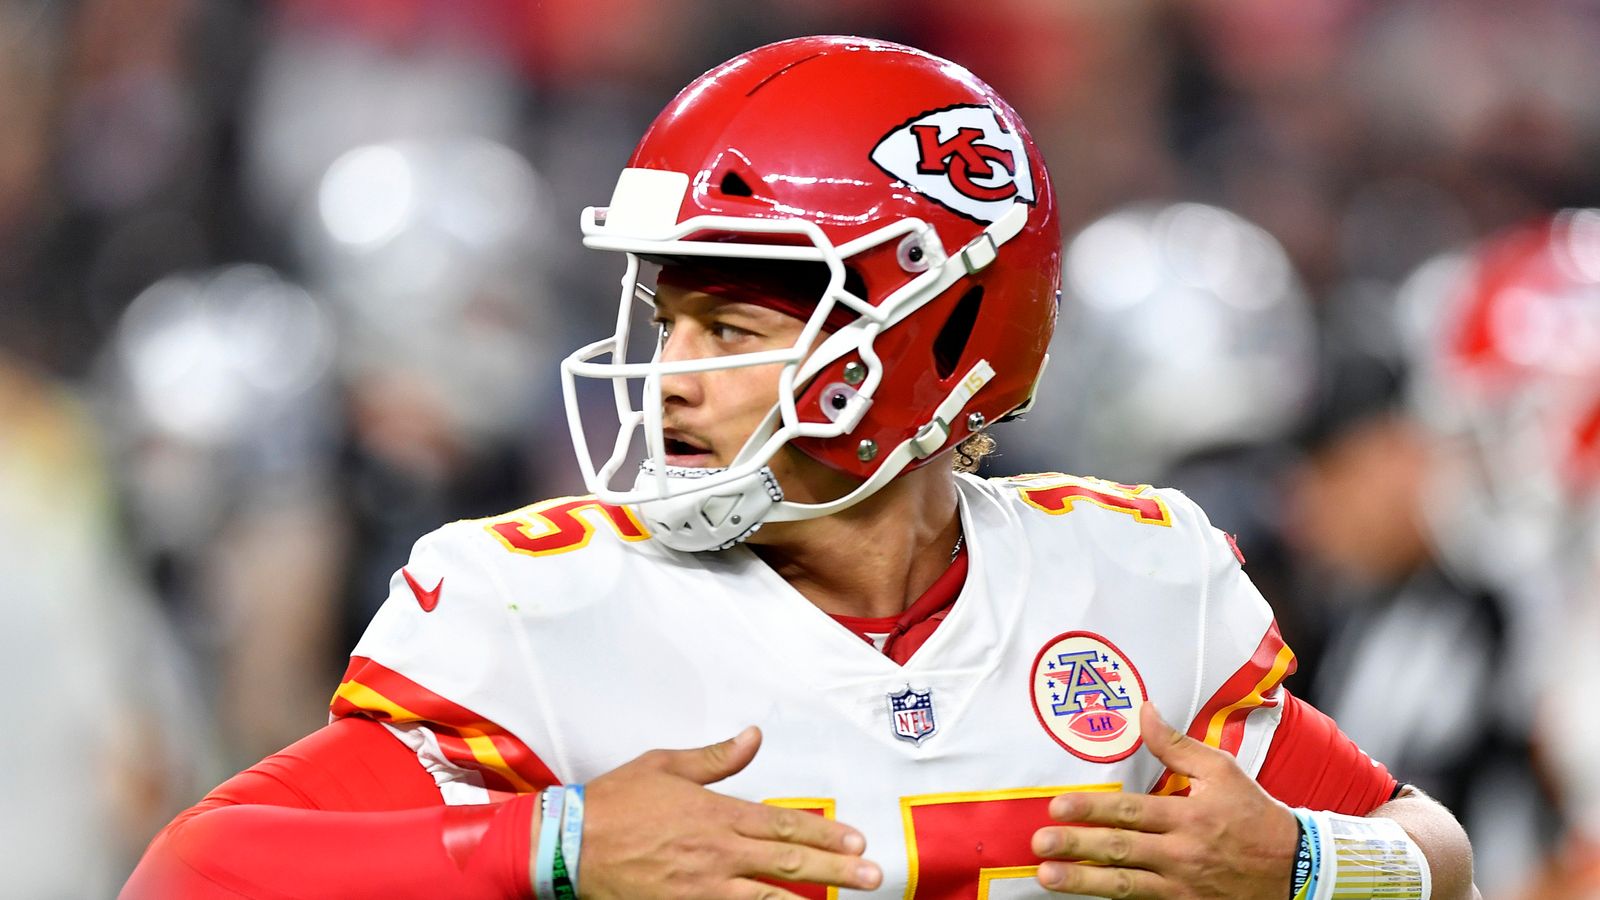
[912, 714]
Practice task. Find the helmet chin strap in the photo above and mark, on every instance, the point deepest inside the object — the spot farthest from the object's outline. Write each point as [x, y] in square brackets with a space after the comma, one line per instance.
[924, 443]
[697, 521]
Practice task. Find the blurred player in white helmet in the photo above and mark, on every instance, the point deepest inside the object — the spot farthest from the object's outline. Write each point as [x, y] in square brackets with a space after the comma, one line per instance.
[432, 253]
[1442, 531]
[1508, 343]
[841, 265]
[1186, 331]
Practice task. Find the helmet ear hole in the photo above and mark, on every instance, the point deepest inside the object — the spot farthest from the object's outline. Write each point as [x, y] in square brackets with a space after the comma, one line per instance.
[953, 337]
[734, 185]
[854, 283]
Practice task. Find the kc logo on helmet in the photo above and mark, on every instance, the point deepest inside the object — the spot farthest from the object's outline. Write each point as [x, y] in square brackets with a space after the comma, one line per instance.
[962, 157]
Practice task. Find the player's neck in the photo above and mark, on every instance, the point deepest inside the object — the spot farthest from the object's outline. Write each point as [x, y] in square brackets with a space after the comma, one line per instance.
[874, 559]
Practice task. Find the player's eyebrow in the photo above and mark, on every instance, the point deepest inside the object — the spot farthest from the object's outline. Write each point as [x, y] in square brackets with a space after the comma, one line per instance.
[745, 309]
[709, 305]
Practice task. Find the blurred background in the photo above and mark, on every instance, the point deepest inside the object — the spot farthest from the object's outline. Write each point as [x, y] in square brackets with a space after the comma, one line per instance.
[283, 286]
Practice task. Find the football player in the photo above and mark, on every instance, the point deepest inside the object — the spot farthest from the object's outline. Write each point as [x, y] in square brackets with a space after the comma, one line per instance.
[1506, 334]
[938, 686]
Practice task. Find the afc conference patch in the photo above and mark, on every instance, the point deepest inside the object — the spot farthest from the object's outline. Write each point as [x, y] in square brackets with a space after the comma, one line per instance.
[1087, 695]
[911, 713]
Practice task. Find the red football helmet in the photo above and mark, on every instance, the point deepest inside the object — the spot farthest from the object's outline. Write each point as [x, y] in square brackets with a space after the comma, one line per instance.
[917, 194]
[1509, 368]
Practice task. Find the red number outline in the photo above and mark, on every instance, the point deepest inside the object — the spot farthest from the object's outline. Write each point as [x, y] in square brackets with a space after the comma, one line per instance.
[1057, 499]
[562, 528]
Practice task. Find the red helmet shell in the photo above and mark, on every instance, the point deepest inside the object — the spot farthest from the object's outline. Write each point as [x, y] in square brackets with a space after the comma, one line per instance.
[1527, 332]
[1530, 311]
[795, 130]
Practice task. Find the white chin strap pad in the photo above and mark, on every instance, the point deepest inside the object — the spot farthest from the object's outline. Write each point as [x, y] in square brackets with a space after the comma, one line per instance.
[694, 521]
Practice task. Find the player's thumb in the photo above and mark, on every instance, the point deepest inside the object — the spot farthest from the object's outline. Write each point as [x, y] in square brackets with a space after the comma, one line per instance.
[714, 762]
[1176, 750]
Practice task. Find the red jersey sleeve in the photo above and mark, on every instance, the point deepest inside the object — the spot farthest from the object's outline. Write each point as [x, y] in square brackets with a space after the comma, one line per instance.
[1312, 763]
[346, 812]
[1308, 762]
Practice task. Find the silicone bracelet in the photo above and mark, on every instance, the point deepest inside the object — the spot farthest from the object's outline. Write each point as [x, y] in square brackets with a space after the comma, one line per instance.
[1303, 884]
[544, 862]
[571, 838]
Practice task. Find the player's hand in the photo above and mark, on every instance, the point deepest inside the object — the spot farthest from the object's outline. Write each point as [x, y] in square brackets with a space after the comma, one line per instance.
[653, 830]
[1228, 838]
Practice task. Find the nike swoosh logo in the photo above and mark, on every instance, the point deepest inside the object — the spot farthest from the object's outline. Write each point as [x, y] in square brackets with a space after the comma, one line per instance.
[428, 600]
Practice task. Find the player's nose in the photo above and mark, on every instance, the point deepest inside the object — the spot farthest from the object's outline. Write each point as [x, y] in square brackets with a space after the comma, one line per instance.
[681, 388]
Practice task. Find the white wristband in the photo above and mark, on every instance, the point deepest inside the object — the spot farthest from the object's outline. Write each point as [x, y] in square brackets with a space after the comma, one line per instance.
[1359, 857]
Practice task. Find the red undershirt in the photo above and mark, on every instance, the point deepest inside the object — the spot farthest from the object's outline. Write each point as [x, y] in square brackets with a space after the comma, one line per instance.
[349, 812]
[901, 635]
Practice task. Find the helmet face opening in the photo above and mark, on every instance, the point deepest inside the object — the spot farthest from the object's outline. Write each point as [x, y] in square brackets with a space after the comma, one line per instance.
[630, 359]
[792, 287]
[884, 197]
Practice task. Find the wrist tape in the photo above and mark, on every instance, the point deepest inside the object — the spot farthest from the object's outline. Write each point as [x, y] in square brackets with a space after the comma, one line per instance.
[1348, 857]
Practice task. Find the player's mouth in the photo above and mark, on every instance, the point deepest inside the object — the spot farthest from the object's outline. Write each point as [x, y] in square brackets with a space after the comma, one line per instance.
[687, 450]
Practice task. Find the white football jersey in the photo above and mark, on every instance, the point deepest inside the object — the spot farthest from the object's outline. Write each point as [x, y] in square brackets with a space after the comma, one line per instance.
[559, 642]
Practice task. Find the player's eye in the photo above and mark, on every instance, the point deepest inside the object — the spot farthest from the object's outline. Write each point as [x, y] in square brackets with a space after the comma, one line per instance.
[722, 331]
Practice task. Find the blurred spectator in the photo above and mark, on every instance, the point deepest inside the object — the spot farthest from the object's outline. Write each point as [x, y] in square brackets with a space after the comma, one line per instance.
[27, 61]
[1566, 736]
[141, 176]
[1486, 100]
[218, 387]
[1431, 642]
[109, 737]
[1263, 118]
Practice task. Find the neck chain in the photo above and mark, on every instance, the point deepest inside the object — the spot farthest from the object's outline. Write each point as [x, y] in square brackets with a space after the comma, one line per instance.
[960, 539]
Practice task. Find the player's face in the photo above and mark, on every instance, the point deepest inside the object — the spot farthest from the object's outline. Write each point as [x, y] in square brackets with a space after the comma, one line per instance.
[708, 415]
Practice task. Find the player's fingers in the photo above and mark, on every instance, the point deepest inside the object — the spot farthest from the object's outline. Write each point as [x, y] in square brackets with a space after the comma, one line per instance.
[1114, 846]
[714, 762]
[1178, 751]
[797, 862]
[1101, 881]
[793, 826]
[1116, 809]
